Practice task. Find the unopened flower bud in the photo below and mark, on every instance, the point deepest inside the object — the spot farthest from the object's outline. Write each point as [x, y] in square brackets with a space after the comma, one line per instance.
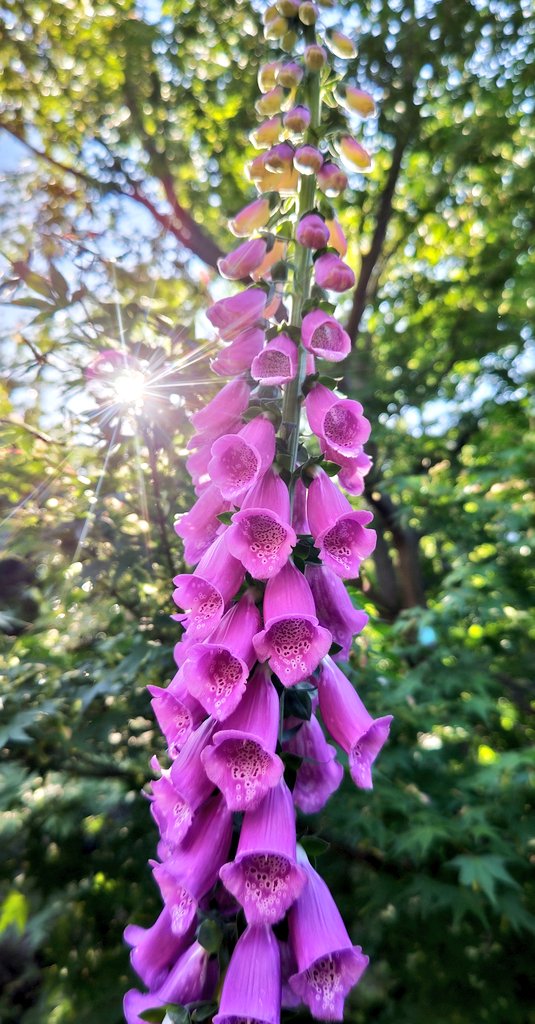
[355, 100]
[288, 41]
[276, 29]
[267, 133]
[288, 8]
[253, 216]
[256, 169]
[267, 75]
[270, 14]
[331, 179]
[277, 253]
[341, 45]
[290, 75]
[279, 158]
[271, 102]
[353, 153]
[308, 13]
[297, 119]
[332, 273]
[315, 57]
[239, 263]
[337, 239]
[312, 231]
[308, 159]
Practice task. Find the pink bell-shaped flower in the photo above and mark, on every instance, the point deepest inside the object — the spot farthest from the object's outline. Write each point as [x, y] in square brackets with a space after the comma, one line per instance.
[352, 473]
[328, 965]
[292, 641]
[333, 606]
[241, 262]
[338, 421]
[339, 532]
[319, 773]
[192, 978]
[177, 716]
[242, 761]
[155, 949]
[223, 410]
[252, 985]
[265, 877]
[322, 335]
[312, 231]
[205, 593]
[260, 534]
[238, 356]
[332, 273]
[239, 460]
[233, 315]
[350, 724]
[199, 527]
[277, 363]
[191, 871]
[216, 670]
[179, 791]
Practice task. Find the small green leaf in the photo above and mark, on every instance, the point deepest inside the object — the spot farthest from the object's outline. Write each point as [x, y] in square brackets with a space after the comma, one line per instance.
[225, 518]
[297, 704]
[314, 846]
[210, 935]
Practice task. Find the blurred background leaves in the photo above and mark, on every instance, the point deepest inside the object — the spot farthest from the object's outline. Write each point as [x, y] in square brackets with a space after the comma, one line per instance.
[124, 134]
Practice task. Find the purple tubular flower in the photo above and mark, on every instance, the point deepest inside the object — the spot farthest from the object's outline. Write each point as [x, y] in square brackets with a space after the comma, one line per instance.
[289, 1000]
[339, 532]
[176, 716]
[223, 410]
[328, 965]
[181, 790]
[323, 336]
[350, 724]
[332, 179]
[192, 978]
[340, 421]
[312, 231]
[197, 467]
[319, 774]
[242, 760]
[199, 527]
[205, 593]
[239, 460]
[277, 362]
[190, 872]
[260, 534]
[252, 986]
[292, 641]
[265, 876]
[238, 356]
[299, 517]
[243, 260]
[332, 273]
[232, 316]
[154, 949]
[333, 606]
[216, 671]
[352, 473]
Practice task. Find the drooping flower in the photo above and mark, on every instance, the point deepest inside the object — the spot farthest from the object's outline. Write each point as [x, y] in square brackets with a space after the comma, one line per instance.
[223, 410]
[239, 263]
[265, 135]
[353, 472]
[154, 949]
[205, 593]
[260, 534]
[319, 773]
[308, 159]
[216, 670]
[297, 119]
[354, 154]
[239, 460]
[238, 356]
[337, 238]
[333, 606]
[177, 716]
[328, 964]
[355, 100]
[180, 790]
[199, 527]
[252, 217]
[312, 231]
[189, 873]
[341, 45]
[252, 986]
[192, 978]
[277, 363]
[265, 877]
[322, 335]
[350, 724]
[332, 273]
[339, 422]
[233, 315]
[292, 639]
[339, 531]
[242, 761]
[331, 179]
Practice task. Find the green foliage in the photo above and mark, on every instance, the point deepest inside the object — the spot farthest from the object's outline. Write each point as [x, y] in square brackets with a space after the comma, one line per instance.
[431, 869]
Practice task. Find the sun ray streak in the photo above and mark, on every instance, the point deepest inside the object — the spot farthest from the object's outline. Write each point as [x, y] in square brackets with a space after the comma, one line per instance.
[91, 515]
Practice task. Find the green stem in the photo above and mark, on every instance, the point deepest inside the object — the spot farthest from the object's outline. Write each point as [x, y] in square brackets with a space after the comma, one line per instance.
[291, 409]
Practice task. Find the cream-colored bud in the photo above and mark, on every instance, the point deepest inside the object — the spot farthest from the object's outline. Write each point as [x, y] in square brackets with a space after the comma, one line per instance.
[267, 75]
[341, 45]
[315, 57]
[354, 155]
[276, 29]
[308, 13]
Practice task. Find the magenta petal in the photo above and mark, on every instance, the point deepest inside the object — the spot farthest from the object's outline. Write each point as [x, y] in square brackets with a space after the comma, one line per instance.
[319, 774]
[190, 872]
[135, 1003]
[205, 593]
[242, 761]
[241, 262]
[233, 315]
[288, 594]
[190, 979]
[299, 518]
[177, 718]
[349, 723]
[237, 357]
[227, 406]
[338, 531]
[260, 534]
[178, 793]
[328, 964]
[277, 363]
[339, 420]
[154, 949]
[239, 460]
[265, 877]
[324, 337]
[252, 986]
[353, 472]
[293, 646]
[333, 606]
[199, 527]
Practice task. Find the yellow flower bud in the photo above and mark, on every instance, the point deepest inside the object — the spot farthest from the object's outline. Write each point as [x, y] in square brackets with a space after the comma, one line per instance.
[276, 28]
[288, 8]
[341, 45]
[308, 13]
[337, 239]
[251, 218]
[270, 13]
[267, 133]
[271, 102]
[267, 75]
[315, 57]
[355, 100]
[354, 154]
